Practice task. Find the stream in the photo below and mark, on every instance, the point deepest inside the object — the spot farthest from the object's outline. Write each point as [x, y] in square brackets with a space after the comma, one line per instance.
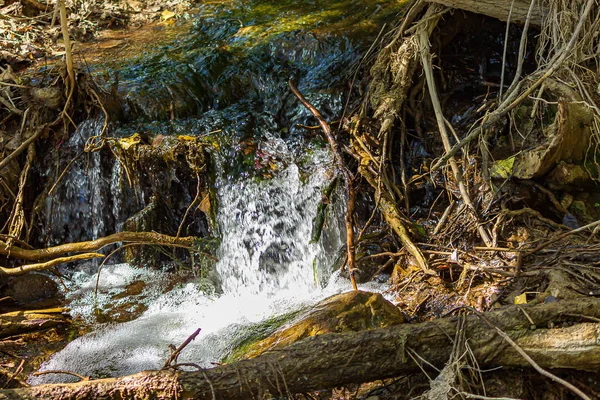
[221, 74]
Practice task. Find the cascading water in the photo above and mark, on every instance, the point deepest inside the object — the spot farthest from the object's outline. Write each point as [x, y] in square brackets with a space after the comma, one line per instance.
[267, 265]
[266, 228]
[77, 207]
[266, 268]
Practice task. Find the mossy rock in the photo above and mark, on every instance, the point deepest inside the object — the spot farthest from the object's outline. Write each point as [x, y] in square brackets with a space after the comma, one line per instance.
[569, 176]
[351, 311]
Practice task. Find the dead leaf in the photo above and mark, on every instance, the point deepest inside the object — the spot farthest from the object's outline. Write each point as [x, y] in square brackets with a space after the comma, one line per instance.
[521, 299]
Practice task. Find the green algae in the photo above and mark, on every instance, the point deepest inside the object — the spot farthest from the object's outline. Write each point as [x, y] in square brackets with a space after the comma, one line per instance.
[249, 335]
[231, 51]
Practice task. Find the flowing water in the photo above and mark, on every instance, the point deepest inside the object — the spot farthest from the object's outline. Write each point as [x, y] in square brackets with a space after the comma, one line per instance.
[227, 72]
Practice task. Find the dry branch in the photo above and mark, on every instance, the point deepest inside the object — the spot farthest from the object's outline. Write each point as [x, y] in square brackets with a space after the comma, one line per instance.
[393, 217]
[348, 179]
[23, 146]
[337, 359]
[426, 57]
[23, 269]
[93, 245]
[498, 9]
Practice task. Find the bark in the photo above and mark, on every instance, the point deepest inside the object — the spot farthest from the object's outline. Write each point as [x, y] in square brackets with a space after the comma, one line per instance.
[18, 322]
[23, 269]
[337, 359]
[93, 245]
[498, 9]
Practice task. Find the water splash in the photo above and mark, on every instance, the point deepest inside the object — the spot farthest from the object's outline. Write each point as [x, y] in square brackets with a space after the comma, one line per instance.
[266, 269]
[266, 229]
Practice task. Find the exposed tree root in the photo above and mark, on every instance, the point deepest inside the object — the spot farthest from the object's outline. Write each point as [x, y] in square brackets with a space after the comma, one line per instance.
[23, 146]
[93, 245]
[423, 39]
[18, 217]
[396, 221]
[23, 269]
[337, 359]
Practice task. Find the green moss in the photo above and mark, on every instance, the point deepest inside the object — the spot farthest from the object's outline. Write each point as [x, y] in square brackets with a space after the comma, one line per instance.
[249, 335]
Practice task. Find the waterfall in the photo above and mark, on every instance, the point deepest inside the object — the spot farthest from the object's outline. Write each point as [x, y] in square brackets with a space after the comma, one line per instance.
[218, 77]
[267, 267]
[266, 229]
[77, 208]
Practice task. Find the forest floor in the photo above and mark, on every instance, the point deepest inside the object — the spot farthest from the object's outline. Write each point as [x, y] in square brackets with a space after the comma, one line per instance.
[30, 31]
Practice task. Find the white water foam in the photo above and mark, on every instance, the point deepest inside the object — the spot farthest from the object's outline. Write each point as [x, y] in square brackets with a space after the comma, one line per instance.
[266, 267]
[127, 348]
[266, 228]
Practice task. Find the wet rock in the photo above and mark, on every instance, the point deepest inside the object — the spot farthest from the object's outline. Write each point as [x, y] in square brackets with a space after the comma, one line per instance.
[155, 217]
[351, 311]
[51, 97]
[580, 212]
[30, 288]
[567, 176]
[566, 200]
[570, 220]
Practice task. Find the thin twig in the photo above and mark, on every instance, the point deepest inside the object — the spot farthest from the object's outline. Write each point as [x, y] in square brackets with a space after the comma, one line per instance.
[522, 48]
[504, 50]
[348, 179]
[526, 356]
[175, 354]
[60, 371]
[20, 270]
[564, 235]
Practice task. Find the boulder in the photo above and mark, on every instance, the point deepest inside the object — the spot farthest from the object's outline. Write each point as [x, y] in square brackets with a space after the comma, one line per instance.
[31, 288]
[351, 311]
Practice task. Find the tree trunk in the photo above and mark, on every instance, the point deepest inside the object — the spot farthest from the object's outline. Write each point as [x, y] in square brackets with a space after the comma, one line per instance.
[337, 359]
[498, 9]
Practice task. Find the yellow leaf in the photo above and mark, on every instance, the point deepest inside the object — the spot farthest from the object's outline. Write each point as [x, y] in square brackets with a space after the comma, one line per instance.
[521, 299]
[132, 140]
[187, 138]
[165, 15]
[502, 169]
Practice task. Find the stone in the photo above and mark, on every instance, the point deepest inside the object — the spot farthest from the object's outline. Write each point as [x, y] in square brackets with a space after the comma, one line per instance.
[580, 212]
[351, 311]
[31, 288]
[568, 176]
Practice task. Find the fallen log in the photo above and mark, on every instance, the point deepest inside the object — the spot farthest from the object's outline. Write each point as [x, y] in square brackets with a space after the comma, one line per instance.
[19, 322]
[499, 9]
[337, 359]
